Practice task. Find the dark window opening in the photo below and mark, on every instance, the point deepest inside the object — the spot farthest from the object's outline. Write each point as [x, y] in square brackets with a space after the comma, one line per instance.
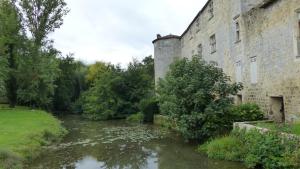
[298, 23]
[213, 43]
[200, 49]
[211, 9]
[298, 38]
[239, 99]
[237, 29]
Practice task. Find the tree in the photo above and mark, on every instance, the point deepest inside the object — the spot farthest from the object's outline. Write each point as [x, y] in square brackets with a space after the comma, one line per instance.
[138, 83]
[37, 73]
[117, 93]
[64, 90]
[10, 35]
[42, 17]
[101, 101]
[38, 67]
[95, 71]
[3, 74]
[197, 96]
[69, 84]
[80, 81]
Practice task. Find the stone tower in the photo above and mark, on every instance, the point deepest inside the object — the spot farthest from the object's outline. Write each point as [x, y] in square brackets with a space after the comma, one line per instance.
[166, 50]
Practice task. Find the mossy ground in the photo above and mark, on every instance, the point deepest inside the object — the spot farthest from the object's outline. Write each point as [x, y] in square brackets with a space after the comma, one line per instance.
[24, 132]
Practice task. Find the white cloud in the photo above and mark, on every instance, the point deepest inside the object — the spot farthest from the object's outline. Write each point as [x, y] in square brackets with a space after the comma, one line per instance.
[116, 30]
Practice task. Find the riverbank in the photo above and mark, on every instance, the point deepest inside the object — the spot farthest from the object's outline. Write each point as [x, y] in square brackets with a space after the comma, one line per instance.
[23, 133]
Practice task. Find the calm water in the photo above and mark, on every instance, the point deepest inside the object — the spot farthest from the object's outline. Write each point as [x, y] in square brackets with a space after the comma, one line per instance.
[117, 145]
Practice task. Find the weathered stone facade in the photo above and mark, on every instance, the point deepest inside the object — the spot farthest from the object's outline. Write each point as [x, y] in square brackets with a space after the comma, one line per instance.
[256, 42]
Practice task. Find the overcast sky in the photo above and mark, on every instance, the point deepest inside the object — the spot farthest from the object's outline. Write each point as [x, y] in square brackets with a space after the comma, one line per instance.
[118, 30]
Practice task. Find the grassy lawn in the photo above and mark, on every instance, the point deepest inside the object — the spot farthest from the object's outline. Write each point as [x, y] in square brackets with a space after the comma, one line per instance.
[24, 132]
[287, 128]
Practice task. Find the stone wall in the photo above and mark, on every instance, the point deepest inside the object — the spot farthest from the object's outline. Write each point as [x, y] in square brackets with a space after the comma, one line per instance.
[265, 58]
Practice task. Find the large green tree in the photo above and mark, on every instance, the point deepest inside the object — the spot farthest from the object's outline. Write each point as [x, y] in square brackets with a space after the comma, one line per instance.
[38, 68]
[37, 73]
[101, 101]
[69, 84]
[95, 71]
[3, 74]
[197, 96]
[42, 17]
[11, 35]
[117, 93]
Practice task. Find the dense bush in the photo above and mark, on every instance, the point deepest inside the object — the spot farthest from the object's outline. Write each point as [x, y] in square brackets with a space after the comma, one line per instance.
[268, 150]
[246, 112]
[197, 96]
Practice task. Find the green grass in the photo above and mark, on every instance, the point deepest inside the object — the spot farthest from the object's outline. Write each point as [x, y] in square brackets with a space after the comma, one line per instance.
[136, 118]
[225, 148]
[24, 132]
[255, 149]
[164, 121]
[287, 128]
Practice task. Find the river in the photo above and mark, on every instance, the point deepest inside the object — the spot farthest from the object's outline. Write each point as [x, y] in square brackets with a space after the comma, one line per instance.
[118, 145]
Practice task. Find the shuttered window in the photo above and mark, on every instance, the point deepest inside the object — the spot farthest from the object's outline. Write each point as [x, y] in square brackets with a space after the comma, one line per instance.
[238, 71]
[253, 70]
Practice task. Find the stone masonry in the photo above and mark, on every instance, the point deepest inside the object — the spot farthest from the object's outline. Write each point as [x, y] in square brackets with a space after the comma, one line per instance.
[256, 42]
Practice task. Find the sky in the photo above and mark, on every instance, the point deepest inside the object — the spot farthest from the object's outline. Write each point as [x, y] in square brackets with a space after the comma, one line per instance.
[117, 31]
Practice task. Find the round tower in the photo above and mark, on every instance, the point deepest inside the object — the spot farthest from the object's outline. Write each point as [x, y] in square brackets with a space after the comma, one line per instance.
[166, 50]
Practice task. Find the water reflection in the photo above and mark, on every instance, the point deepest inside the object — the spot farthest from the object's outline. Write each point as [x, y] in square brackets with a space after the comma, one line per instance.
[117, 145]
[90, 163]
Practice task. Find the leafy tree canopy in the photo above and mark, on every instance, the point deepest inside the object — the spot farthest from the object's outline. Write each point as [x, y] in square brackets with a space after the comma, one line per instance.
[197, 95]
[117, 93]
[42, 17]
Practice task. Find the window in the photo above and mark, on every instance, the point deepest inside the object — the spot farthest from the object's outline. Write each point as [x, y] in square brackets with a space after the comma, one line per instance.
[213, 43]
[237, 32]
[298, 38]
[211, 9]
[200, 49]
[298, 15]
[239, 99]
[198, 22]
[238, 71]
[198, 25]
[253, 70]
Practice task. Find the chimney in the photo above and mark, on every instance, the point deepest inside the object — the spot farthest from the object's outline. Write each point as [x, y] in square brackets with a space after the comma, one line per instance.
[158, 36]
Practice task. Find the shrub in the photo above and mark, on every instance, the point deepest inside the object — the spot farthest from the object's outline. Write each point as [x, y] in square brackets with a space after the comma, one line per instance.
[246, 112]
[136, 118]
[196, 95]
[268, 150]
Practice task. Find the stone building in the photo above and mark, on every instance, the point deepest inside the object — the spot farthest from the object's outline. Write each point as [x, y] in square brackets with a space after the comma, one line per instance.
[256, 42]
